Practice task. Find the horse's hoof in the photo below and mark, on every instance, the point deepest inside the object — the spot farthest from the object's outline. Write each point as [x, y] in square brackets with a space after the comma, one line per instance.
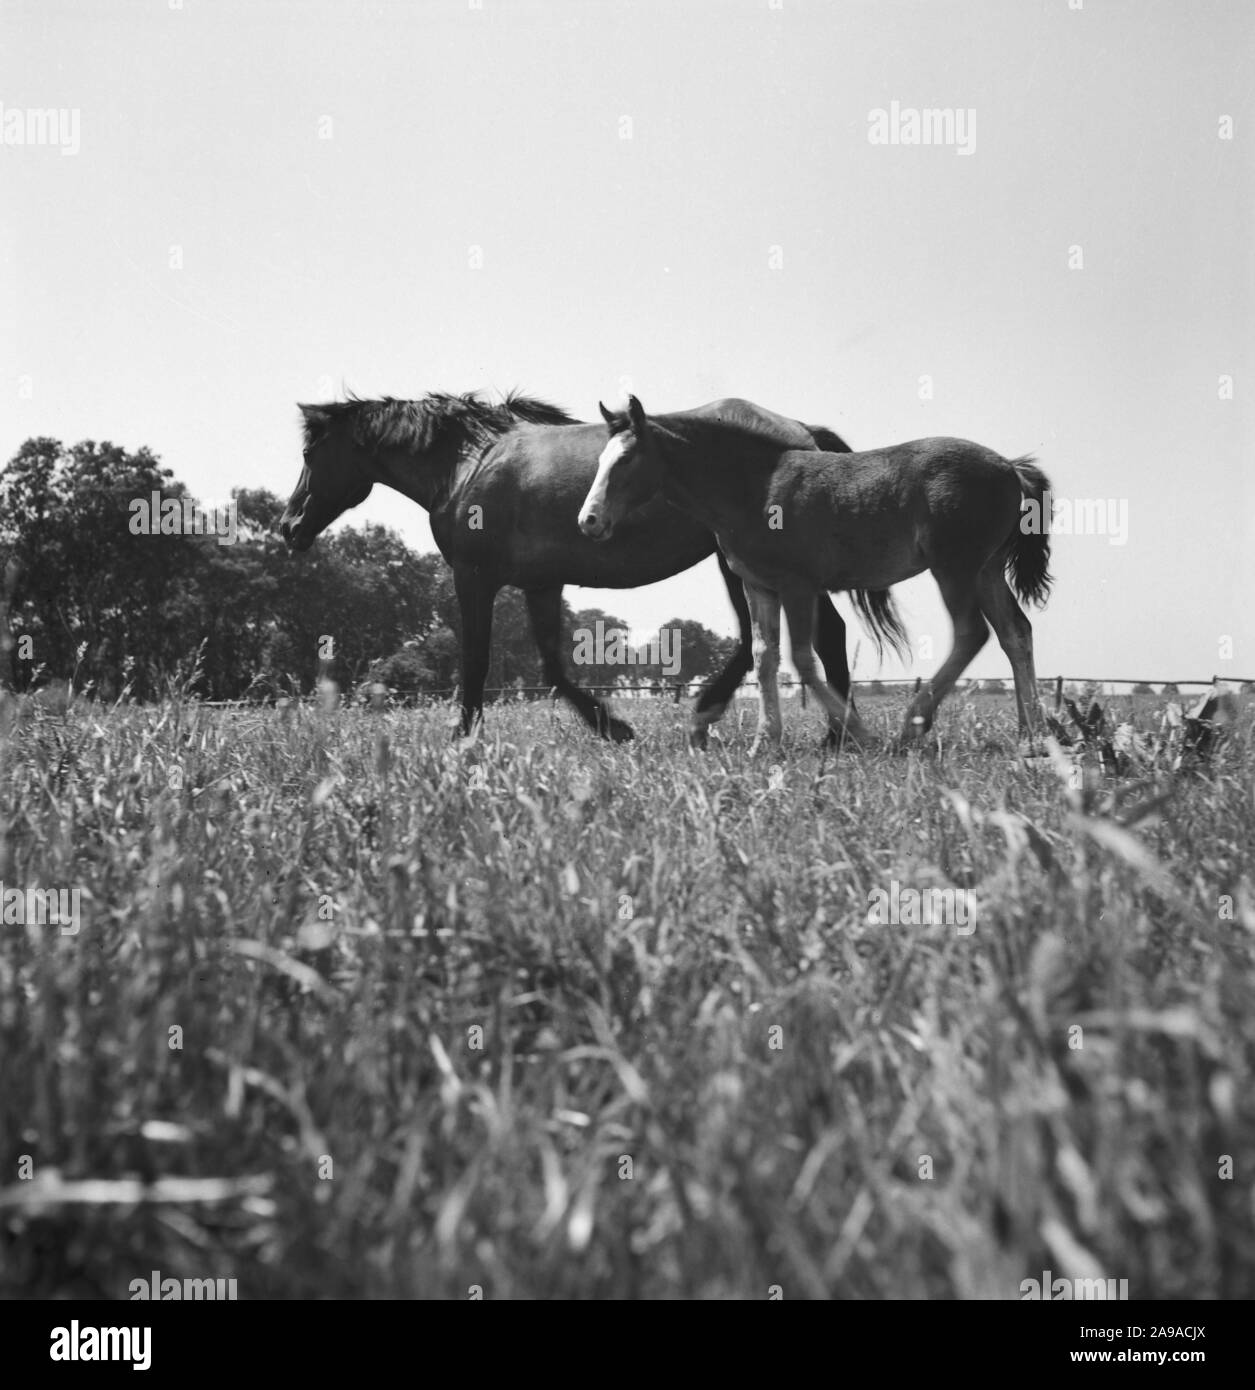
[619, 732]
[699, 740]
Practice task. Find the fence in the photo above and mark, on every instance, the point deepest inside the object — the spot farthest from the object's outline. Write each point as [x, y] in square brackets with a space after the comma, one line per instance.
[679, 691]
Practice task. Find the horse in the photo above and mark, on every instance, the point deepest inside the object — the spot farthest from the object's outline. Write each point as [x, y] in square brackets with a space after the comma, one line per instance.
[503, 483]
[792, 524]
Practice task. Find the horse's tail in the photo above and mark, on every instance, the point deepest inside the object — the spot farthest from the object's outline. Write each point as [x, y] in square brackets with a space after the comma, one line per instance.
[880, 617]
[1027, 551]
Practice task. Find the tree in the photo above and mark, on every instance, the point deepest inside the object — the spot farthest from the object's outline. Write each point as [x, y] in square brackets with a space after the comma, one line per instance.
[368, 592]
[405, 671]
[109, 593]
[93, 591]
[700, 652]
[595, 645]
[443, 653]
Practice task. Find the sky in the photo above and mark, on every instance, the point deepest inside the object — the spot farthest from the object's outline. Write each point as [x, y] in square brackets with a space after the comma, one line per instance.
[253, 204]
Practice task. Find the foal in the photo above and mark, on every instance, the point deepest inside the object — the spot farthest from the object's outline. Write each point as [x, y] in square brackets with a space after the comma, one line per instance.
[793, 524]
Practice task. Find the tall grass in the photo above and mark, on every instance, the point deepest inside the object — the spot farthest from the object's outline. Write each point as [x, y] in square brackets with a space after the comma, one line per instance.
[551, 1018]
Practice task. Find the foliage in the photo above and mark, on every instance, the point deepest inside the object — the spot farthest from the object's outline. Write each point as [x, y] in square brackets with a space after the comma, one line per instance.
[578, 1020]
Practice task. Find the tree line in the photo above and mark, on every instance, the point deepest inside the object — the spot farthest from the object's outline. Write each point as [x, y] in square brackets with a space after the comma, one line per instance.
[108, 583]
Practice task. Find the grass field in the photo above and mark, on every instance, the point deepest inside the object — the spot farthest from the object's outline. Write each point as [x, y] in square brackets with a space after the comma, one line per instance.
[355, 1011]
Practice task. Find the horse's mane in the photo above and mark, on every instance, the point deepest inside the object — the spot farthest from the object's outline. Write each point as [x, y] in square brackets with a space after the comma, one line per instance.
[388, 422]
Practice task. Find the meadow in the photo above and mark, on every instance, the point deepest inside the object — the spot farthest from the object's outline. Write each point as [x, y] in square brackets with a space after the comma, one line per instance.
[354, 1010]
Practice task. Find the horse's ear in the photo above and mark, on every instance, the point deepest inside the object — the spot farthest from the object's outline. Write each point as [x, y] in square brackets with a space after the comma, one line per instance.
[605, 414]
[636, 413]
[314, 421]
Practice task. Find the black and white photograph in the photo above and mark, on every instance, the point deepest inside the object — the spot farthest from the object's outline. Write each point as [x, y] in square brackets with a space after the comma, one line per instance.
[627, 663]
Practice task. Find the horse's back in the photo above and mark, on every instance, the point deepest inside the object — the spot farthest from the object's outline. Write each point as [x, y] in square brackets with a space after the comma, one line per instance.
[922, 482]
[871, 519]
[933, 453]
[755, 419]
[932, 469]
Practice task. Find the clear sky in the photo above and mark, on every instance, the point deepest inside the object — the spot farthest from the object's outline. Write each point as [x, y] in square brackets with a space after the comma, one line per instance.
[270, 202]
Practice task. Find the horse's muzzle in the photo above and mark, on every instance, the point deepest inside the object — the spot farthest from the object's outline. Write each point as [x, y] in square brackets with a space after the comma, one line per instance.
[293, 537]
[596, 529]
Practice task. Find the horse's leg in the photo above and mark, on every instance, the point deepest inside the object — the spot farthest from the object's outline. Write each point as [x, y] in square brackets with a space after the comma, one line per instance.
[1015, 633]
[477, 592]
[765, 620]
[829, 646]
[971, 632]
[544, 607]
[800, 608]
[713, 697]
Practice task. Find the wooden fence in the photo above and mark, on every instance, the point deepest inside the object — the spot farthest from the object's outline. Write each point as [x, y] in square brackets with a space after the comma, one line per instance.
[679, 691]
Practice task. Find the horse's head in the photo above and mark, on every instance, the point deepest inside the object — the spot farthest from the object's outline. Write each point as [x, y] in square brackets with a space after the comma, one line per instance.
[335, 476]
[629, 472]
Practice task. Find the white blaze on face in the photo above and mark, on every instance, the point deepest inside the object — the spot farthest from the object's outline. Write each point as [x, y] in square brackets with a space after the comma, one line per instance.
[595, 502]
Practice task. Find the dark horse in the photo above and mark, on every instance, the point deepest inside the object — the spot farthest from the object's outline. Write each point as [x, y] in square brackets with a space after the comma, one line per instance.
[503, 484]
[792, 523]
